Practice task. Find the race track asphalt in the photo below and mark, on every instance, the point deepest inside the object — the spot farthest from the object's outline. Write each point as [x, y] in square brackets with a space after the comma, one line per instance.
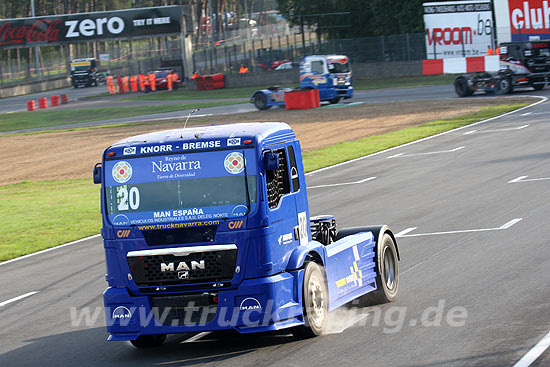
[472, 207]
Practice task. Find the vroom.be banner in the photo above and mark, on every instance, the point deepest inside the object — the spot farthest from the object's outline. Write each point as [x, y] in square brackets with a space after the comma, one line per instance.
[522, 20]
[458, 28]
[24, 32]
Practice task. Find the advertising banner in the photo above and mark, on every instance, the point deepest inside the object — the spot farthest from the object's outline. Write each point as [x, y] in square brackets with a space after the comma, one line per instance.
[521, 20]
[458, 28]
[58, 29]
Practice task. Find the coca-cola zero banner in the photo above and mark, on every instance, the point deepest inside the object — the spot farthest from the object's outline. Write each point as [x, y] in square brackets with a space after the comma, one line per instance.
[56, 29]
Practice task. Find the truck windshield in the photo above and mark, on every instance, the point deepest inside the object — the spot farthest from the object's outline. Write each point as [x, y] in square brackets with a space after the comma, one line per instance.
[180, 187]
[337, 67]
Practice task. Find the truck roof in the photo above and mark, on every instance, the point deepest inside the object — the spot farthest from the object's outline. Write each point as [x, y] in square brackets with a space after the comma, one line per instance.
[264, 133]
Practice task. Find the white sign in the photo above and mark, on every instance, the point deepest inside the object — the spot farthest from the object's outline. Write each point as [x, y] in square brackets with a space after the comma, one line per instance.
[458, 28]
[104, 57]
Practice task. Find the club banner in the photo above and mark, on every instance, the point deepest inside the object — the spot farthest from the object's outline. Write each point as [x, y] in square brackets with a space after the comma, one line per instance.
[521, 20]
[58, 29]
[458, 28]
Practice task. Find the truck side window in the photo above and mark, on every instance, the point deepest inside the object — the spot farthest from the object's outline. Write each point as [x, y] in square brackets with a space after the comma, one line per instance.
[293, 169]
[317, 67]
[278, 183]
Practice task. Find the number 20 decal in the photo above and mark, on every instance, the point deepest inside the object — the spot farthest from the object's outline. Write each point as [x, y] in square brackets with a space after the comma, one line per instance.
[126, 198]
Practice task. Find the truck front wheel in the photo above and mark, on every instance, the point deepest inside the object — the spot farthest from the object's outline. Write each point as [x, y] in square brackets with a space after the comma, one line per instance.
[148, 341]
[260, 101]
[387, 273]
[461, 87]
[504, 85]
[315, 303]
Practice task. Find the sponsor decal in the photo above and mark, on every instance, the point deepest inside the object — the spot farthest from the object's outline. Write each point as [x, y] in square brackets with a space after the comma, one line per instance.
[121, 313]
[234, 163]
[122, 172]
[231, 142]
[236, 224]
[182, 265]
[202, 145]
[285, 238]
[316, 79]
[155, 149]
[250, 304]
[121, 220]
[183, 275]
[161, 166]
[342, 60]
[123, 233]
[129, 151]
[177, 213]
[239, 211]
[302, 228]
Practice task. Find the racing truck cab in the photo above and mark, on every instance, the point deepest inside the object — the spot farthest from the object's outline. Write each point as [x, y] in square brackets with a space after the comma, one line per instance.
[330, 74]
[84, 72]
[521, 64]
[208, 229]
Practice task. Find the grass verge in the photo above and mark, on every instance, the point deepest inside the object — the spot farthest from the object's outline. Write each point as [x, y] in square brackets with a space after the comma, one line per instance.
[345, 151]
[64, 211]
[36, 119]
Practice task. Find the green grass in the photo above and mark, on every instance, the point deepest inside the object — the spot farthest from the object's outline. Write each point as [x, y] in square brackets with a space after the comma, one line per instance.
[39, 215]
[183, 94]
[35, 119]
[345, 151]
[404, 81]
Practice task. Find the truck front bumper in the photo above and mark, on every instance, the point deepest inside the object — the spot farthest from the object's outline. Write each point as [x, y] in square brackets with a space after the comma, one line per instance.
[257, 305]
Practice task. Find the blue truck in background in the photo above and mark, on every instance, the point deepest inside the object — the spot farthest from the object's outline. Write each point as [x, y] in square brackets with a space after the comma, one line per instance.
[208, 229]
[330, 74]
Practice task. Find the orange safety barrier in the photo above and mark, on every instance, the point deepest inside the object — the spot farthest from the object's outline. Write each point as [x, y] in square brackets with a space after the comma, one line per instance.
[54, 100]
[218, 81]
[302, 99]
[64, 99]
[209, 82]
[31, 106]
[42, 103]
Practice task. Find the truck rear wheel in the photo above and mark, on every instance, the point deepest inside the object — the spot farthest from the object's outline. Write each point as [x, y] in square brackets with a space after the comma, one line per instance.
[334, 100]
[503, 85]
[387, 273]
[315, 303]
[260, 101]
[461, 87]
[148, 341]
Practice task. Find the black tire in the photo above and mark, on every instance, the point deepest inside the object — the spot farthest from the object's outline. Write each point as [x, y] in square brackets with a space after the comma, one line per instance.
[461, 87]
[538, 86]
[503, 85]
[334, 100]
[315, 303]
[148, 341]
[260, 101]
[387, 273]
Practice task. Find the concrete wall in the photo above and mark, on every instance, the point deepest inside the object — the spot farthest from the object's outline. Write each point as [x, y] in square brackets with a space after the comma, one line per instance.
[35, 87]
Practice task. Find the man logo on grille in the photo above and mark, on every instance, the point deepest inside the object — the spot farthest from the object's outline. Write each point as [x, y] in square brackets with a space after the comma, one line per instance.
[183, 275]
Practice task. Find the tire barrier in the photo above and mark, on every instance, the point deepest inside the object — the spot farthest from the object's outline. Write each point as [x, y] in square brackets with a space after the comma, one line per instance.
[210, 82]
[64, 99]
[302, 99]
[31, 106]
[54, 101]
[42, 103]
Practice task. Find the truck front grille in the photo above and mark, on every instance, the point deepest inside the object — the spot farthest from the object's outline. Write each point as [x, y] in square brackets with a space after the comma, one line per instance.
[189, 310]
[209, 266]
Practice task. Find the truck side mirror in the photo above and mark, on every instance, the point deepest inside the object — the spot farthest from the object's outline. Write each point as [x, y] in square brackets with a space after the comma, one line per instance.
[271, 161]
[97, 173]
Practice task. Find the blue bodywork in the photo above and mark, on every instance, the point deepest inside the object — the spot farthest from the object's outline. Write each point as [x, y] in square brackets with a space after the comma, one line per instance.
[227, 264]
[331, 75]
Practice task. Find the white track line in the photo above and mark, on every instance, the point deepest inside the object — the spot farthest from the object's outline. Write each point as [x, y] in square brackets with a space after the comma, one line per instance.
[194, 338]
[534, 352]
[17, 298]
[49, 249]
[523, 179]
[495, 130]
[504, 226]
[405, 231]
[401, 155]
[542, 100]
[344, 183]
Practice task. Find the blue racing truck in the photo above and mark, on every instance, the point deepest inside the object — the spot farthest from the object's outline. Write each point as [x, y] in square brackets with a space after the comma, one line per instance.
[208, 229]
[330, 74]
